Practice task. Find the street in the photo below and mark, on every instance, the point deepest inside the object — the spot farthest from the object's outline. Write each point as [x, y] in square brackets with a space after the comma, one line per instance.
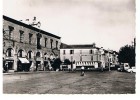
[93, 82]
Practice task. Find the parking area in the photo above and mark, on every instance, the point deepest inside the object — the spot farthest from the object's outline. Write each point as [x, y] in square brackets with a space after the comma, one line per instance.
[63, 82]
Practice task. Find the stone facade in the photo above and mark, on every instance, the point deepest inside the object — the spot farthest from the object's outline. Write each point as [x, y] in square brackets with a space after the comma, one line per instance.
[26, 41]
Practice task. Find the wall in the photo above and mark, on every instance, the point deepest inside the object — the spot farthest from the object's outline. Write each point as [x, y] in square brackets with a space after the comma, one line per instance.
[16, 45]
[86, 56]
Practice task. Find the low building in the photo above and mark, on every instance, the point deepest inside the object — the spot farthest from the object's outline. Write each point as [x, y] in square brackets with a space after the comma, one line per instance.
[25, 45]
[88, 55]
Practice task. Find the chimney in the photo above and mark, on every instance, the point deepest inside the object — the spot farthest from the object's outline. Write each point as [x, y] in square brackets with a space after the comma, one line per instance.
[94, 45]
[27, 21]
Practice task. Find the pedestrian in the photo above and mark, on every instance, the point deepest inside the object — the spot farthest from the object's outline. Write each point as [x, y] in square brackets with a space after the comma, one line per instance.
[49, 65]
[6, 67]
[82, 70]
[69, 67]
[74, 65]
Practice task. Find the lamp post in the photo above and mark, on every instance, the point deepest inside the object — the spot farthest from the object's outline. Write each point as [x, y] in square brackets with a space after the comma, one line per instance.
[109, 63]
[101, 52]
[109, 59]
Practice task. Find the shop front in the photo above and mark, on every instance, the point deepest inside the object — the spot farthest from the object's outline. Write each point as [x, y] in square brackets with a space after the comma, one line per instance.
[39, 64]
[23, 64]
[45, 65]
[9, 62]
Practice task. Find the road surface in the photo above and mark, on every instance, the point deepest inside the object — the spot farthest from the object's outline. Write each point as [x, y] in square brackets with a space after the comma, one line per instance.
[94, 82]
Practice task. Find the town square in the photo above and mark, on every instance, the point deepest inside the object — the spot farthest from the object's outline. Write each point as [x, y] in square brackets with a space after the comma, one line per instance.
[69, 47]
[63, 82]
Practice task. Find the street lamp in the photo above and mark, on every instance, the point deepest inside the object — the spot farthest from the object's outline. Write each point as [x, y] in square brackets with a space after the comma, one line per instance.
[109, 59]
[101, 59]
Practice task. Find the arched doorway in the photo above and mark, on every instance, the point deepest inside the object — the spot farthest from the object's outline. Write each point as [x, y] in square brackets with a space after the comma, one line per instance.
[38, 61]
[46, 67]
[22, 63]
[30, 57]
[9, 60]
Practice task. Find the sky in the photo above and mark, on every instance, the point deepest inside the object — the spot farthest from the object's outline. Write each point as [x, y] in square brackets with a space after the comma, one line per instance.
[108, 23]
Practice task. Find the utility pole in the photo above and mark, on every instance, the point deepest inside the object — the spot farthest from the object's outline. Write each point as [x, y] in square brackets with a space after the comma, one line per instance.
[109, 61]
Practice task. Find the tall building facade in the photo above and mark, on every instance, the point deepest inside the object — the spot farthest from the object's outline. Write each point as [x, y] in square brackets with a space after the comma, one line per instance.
[88, 55]
[25, 45]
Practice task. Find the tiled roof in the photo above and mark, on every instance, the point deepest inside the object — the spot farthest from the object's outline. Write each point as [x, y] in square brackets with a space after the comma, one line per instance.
[77, 46]
[29, 26]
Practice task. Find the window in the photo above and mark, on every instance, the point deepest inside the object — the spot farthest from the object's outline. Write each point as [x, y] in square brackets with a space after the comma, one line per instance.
[21, 36]
[96, 52]
[13, 43]
[30, 56]
[10, 32]
[4, 33]
[20, 53]
[64, 52]
[30, 38]
[9, 52]
[56, 44]
[45, 42]
[38, 54]
[4, 44]
[71, 51]
[91, 58]
[45, 56]
[80, 58]
[90, 51]
[39, 36]
[80, 51]
[51, 43]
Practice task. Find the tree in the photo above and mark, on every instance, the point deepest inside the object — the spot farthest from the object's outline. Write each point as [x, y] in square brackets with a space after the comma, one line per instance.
[56, 63]
[127, 55]
[67, 62]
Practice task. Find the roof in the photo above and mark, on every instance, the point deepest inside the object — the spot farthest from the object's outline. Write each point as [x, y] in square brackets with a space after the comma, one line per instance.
[30, 27]
[83, 46]
[77, 46]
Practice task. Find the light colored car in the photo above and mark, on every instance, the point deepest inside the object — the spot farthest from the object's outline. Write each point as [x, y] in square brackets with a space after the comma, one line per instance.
[132, 70]
[124, 67]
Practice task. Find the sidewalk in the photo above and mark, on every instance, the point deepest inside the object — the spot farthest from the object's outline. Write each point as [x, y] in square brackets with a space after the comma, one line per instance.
[30, 72]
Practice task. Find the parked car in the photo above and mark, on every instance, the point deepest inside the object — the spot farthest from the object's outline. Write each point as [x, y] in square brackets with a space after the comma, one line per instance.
[120, 69]
[124, 67]
[132, 70]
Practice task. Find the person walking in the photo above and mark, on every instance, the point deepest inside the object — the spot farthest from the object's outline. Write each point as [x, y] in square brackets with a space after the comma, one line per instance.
[82, 70]
[69, 67]
[6, 67]
[74, 66]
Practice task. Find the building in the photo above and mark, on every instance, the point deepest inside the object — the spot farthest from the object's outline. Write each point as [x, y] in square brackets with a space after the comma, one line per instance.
[88, 55]
[25, 45]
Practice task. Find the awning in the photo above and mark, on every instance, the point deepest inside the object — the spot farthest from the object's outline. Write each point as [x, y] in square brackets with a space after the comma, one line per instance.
[9, 58]
[23, 60]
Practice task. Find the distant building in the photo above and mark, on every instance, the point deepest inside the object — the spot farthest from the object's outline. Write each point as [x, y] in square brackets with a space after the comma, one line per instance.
[25, 45]
[88, 55]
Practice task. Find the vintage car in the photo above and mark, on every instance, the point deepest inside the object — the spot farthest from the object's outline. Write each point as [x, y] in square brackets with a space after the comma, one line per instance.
[132, 70]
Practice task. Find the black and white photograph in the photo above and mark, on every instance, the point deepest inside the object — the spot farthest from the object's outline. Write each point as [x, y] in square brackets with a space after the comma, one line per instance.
[69, 47]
